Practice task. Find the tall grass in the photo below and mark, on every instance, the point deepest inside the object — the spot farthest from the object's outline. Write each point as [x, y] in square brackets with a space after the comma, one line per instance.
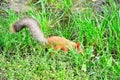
[21, 57]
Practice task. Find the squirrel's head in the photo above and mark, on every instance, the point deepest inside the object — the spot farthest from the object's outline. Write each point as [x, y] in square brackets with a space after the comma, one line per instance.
[78, 48]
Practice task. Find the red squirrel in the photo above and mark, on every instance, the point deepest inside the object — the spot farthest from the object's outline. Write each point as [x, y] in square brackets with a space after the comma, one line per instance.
[55, 42]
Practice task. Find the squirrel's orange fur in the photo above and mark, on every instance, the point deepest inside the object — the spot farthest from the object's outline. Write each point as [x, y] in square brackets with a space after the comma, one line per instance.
[56, 42]
[60, 43]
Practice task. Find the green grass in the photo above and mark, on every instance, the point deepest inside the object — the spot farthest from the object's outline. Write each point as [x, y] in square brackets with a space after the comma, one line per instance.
[23, 58]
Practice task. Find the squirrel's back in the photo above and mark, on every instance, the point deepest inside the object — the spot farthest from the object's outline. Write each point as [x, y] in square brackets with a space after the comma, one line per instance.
[59, 40]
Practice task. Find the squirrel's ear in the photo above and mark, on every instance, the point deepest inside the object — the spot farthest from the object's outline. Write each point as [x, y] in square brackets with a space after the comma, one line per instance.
[78, 45]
